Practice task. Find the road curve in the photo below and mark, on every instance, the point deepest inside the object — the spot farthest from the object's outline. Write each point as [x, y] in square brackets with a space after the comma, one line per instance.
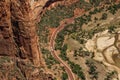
[54, 34]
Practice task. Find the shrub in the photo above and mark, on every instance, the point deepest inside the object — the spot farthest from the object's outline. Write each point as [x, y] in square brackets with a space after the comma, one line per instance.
[104, 16]
[64, 76]
[77, 70]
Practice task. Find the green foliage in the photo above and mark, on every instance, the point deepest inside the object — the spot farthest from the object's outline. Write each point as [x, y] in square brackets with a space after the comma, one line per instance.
[95, 18]
[110, 75]
[113, 8]
[55, 79]
[111, 28]
[49, 59]
[77, 70]
[95, 11]
[104, 16]
[60, 38]
[92, 32]
[82, 4]
[81, 53]
[80, 21]
[45, 51]
[55, 15]
[95, 2]
[43, 34]
[63, 53]
[64, 76]
[92, 69]
[59, 41]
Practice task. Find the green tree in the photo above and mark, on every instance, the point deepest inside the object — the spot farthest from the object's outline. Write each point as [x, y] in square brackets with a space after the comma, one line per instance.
[64, 76]
[104, 16]
[77, 70]
[111, 28]
[95, 2]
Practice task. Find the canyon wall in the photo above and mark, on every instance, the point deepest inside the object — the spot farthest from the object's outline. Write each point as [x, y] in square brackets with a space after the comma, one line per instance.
[20, 57]
[18, 34]
[7, 44]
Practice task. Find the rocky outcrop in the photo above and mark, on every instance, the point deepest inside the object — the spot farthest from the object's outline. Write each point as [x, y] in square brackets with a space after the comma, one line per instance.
[18, 28]
[7, 45]
[20, 57]
[26, 36]
[17, 69]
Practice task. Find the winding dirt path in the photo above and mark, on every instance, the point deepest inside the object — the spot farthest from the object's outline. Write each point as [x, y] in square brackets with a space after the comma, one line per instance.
[54, 34]
[52, 38]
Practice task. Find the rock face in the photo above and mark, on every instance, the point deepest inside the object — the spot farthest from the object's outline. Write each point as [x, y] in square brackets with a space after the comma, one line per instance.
[18, 29]
[26, 36]
[17, 69]
[19, 40]
[7, 44]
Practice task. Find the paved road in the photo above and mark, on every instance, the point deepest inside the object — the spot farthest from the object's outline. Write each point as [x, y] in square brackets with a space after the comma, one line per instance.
[54, 34]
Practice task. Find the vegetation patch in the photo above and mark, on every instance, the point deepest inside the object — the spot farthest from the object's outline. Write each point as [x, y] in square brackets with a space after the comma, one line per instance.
[49, 59]
[73, 44]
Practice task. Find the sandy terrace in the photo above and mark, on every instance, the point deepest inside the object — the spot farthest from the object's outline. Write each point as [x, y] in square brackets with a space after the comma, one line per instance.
[102, 44]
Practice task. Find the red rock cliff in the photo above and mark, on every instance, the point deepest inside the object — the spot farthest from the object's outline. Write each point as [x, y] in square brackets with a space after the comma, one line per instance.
[18, 29]
[7, 44]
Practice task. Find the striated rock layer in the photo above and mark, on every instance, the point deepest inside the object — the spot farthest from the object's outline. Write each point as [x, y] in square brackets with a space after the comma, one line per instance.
[20, 58]
[18, 29]
[26, 37]
[7, 44]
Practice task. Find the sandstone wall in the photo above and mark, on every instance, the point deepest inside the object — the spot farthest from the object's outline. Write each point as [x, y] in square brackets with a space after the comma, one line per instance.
[18, 34]
[7, 44]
